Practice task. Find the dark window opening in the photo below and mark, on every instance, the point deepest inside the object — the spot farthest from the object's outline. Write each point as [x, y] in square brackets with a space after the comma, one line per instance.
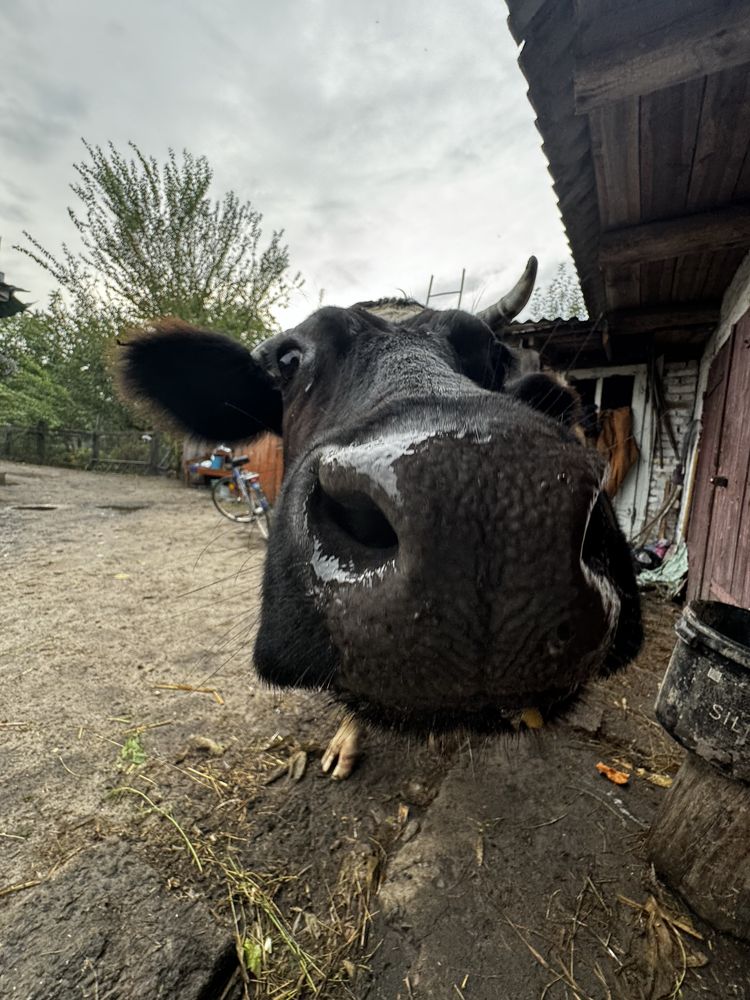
[586, 389]
[617, 391]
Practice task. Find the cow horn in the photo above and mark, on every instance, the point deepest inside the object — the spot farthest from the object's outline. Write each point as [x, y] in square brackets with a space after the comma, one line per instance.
[513, 302]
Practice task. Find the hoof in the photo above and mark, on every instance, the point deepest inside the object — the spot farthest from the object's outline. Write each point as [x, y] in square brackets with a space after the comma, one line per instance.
[343, 750]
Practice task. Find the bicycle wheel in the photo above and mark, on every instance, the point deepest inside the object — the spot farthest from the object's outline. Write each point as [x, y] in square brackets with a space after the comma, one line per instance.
[230, 502]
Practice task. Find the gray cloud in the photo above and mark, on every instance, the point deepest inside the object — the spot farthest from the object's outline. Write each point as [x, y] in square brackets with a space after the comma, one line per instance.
[33, 123]
[390, 142]
[14, 211]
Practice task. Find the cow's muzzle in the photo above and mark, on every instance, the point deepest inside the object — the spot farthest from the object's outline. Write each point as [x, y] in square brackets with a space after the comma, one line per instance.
[457, 572]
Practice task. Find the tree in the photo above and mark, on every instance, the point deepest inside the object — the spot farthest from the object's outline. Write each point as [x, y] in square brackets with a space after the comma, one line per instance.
[58, 369]
[562, 298]
[154, 243]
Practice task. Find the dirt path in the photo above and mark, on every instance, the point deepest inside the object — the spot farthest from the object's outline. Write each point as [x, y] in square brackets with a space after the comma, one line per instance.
[500, 866]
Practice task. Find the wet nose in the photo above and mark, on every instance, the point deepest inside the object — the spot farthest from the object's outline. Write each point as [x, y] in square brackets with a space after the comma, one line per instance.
[350, 515]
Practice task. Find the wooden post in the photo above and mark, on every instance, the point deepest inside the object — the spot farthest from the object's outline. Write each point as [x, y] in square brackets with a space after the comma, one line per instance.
[153, 453]
[41, 442]
[700, 844]
[94, 449]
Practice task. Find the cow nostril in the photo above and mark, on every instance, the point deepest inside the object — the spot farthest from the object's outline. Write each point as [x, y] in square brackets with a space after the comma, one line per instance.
[351, 522]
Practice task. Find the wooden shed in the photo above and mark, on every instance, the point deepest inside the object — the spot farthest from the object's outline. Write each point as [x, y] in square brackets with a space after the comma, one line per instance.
[644, 112]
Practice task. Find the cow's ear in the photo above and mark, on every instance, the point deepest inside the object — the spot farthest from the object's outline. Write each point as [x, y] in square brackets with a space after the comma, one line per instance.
[482, 357]
[204, 383]
[548, 395]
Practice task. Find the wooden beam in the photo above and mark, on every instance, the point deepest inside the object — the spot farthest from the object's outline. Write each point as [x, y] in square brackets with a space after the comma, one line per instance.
[649, 46]
[681, 316]
[722, 229]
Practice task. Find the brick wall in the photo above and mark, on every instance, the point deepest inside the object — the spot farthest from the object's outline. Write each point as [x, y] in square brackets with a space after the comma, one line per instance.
[680, 380]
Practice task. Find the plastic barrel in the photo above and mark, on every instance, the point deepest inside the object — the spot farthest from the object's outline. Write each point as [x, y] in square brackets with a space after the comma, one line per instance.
[704, 699]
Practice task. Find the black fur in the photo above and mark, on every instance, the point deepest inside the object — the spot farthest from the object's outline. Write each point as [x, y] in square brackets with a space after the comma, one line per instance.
[607, 551]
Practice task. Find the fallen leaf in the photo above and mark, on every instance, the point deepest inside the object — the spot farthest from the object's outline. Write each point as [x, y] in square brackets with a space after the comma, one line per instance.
[617, 777]
[122, 576]
[297, 765]
[662, 780]
[653, 909]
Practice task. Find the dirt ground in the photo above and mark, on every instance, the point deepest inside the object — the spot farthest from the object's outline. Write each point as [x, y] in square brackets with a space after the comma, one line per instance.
[129, 715]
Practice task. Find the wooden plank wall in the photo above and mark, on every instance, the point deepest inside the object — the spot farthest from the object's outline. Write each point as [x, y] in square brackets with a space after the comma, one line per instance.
[266, 456]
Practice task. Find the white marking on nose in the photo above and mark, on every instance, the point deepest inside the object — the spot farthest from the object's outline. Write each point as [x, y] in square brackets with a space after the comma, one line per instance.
[375, 458]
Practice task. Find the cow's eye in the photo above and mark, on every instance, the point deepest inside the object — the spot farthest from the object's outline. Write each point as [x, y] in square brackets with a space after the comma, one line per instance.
[288, 362]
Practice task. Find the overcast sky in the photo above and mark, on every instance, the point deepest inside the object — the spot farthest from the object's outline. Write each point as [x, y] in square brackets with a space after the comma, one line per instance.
[390, 140]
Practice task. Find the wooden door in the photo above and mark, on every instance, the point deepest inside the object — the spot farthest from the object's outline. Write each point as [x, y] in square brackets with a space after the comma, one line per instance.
[719, 531]
[708, 463]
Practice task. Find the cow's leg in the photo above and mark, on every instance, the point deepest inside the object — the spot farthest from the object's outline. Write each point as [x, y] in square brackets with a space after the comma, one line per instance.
[343, 749]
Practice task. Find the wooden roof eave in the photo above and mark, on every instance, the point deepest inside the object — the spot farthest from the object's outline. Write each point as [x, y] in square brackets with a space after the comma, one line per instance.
[584, 60]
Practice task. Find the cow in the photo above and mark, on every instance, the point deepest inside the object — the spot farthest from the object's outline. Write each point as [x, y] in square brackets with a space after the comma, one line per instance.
[443, 555]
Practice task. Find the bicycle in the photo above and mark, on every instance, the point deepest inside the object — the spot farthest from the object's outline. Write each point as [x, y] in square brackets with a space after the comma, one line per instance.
[241, 498]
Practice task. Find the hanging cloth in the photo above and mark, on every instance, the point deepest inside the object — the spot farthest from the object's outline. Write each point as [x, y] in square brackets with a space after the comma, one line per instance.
[617, 444]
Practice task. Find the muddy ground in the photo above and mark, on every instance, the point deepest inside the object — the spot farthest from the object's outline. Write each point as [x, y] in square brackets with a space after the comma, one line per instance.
[150, 832]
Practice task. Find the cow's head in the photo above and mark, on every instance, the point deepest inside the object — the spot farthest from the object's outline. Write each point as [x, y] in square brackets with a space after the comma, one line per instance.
[441, 551]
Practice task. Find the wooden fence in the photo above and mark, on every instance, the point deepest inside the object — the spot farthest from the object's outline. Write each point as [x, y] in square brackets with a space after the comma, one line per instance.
[149, 453]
